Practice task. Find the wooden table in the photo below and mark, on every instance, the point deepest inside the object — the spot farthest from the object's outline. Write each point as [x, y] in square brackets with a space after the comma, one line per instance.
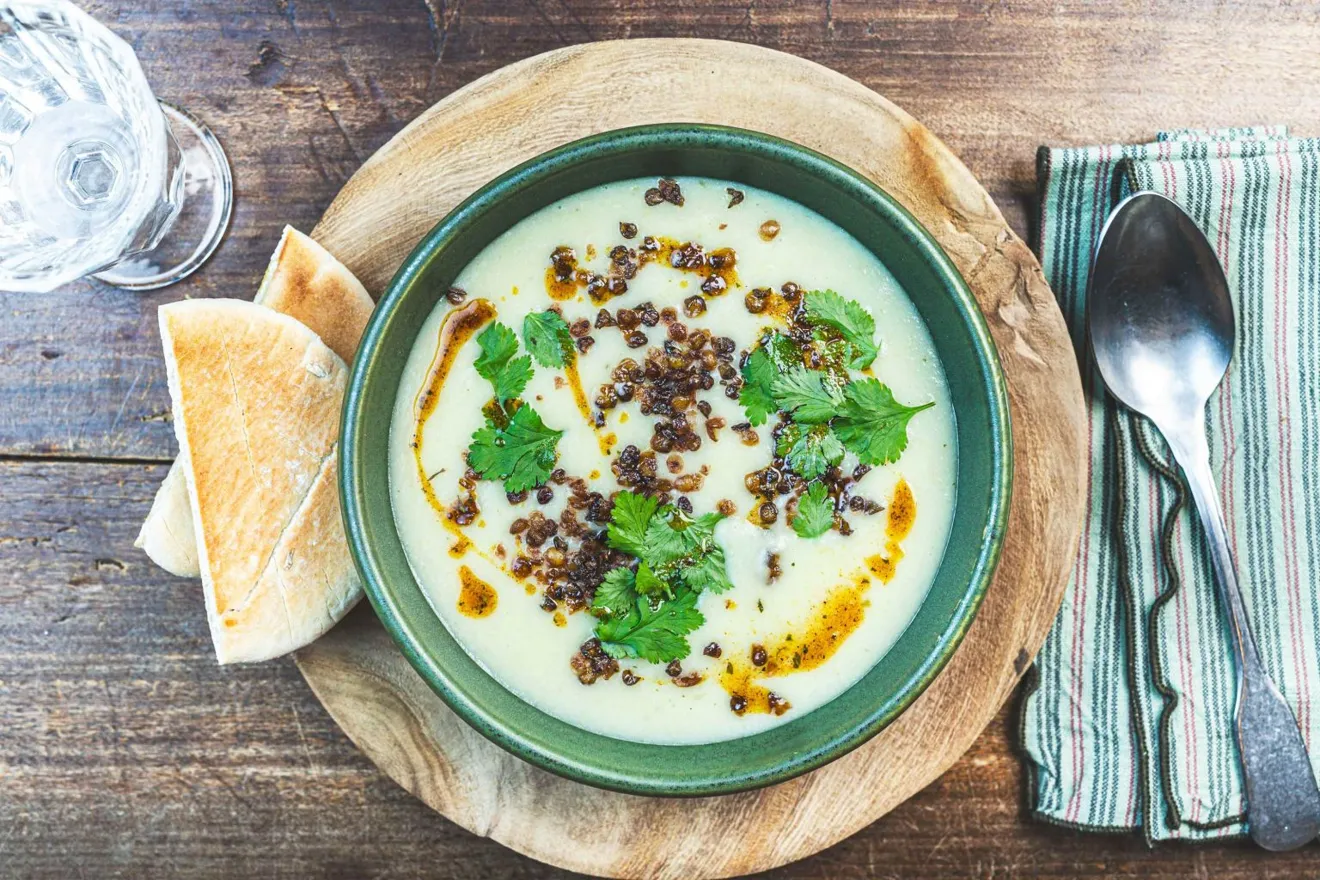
[125, 751]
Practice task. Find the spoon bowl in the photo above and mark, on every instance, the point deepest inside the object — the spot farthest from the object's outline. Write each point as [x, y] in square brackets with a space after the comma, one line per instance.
[1160, 316]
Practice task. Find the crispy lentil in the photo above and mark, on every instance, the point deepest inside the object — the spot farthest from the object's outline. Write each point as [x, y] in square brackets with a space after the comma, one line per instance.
[591, 662]
[670, 191]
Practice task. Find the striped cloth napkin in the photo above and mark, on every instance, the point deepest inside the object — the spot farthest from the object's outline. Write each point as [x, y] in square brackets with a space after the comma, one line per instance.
[1129, 724]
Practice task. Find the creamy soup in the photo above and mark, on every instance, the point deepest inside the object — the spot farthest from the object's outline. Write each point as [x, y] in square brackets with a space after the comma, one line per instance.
[674, 460]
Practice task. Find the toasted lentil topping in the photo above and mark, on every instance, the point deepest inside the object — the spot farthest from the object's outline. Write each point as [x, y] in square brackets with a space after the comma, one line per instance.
[591, 663]
[666, 190]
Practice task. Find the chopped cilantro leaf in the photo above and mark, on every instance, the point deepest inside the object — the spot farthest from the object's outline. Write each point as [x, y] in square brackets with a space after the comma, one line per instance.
[497, 363]
[664, 543]
[873, 425]
[547, 338]
[756, 396]
[648, 584]
[673, 549]
[784, 352]
[849, 318]
[809, 450]
[805, 393]
[701, 531]
[707, 571]
[815, 513]
[616, 594]
[521, 453]
[632, 513]
[655, 633]
[672, 537]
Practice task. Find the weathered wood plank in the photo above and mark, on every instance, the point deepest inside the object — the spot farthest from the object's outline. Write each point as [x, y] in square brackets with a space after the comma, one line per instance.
[125, 751]
[301, 92]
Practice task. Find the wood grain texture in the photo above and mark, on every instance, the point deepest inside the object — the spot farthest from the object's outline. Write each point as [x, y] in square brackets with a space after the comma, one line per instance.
[522, 110]
[125, 752]
[302, 91]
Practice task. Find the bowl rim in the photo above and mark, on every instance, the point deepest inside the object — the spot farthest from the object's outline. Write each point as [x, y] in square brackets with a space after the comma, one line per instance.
[380, 591]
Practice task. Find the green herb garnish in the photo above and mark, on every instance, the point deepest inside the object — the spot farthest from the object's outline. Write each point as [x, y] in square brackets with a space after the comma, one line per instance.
[646, 613]
[809, 450]
[873, 425]
[860, 416]
[656, 633]
[521, 452]
[547, 338]
[806, 395]
[498, 365]
[616, 594]
[707, 572]
[757, 395]
[815, 513]
[825, 307]
[648, 584]
[629, 519]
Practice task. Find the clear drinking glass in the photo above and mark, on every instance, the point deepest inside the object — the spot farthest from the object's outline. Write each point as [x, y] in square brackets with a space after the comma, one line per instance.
[96, 176]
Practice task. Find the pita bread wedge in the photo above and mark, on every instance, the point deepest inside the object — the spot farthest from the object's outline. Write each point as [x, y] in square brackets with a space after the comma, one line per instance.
[305, 282]
[256, 411]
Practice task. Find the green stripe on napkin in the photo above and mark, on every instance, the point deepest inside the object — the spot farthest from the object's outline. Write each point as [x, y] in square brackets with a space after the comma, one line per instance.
[1130, 721]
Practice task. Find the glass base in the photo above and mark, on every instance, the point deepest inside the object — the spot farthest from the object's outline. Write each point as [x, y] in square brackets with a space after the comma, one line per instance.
[208, 202]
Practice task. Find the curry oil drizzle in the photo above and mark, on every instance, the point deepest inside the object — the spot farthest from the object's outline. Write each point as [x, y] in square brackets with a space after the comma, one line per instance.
[830, 625]
[476, 598]
[459, 326]
[901, 515]
[579, 395]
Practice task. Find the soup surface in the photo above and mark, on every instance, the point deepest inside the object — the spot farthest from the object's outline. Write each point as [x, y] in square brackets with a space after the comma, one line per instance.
[674, 460]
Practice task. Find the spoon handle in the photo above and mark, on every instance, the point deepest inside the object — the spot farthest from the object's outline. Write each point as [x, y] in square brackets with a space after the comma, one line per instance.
[1283, 802]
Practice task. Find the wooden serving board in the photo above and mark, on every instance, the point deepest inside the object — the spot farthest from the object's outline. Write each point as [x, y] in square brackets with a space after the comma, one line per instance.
[522, 110]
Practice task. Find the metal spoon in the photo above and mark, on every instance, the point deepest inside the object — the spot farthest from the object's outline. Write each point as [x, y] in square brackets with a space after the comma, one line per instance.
[1161, 327]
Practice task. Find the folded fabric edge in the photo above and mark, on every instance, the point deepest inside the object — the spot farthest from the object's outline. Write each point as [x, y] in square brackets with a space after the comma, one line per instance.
[1031, 781]
[1167, 470]
[1177, 827]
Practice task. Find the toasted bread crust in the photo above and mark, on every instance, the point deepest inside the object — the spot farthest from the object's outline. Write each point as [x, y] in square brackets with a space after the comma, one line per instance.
[256, 411]
[304, 281]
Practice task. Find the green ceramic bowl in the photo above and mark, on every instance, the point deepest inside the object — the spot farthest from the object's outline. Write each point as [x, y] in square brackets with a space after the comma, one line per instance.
[984, 463]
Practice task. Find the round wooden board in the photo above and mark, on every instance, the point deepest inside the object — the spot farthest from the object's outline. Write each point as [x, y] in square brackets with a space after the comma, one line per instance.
[527, 108]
